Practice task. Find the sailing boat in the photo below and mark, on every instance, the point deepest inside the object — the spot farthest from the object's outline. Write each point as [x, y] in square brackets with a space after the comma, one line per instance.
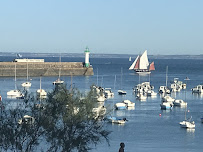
[27, 83]
[59, 81]
[141, 64]
[41, 93]
[122, 92]
[15, 93]
[130, 58]
[164, 89]
[187, 123]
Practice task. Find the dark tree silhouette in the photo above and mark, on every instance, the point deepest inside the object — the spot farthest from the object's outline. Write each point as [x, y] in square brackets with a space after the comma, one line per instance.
[65, 121]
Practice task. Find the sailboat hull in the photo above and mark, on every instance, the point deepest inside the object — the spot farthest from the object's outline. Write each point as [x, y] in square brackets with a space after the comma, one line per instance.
[142, 72]
[26, 84]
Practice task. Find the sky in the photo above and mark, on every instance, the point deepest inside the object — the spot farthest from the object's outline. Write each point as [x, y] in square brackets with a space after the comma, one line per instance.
[166, 27]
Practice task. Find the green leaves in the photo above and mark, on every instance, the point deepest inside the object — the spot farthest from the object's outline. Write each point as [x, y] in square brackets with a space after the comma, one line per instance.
[65, 121]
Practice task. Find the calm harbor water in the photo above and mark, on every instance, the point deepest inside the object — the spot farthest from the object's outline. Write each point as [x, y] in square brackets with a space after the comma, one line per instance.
[146, 130]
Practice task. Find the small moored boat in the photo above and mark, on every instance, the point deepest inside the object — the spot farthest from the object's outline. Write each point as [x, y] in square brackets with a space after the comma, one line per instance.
[129, 103]
[116, 120]
[26, 120]
[120, 106]
[187, 123]
[180, 103]
[166, 105]
[122, 92]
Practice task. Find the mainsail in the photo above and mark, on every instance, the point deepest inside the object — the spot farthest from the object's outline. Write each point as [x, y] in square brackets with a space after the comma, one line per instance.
[144, 63]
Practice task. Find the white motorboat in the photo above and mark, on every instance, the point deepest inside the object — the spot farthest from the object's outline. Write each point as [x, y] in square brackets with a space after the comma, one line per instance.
[27, 83]
[187, 123]
[180, 103]
[120, 106]
[122, 92]
[151, 93]
[129, 103]
[116, 120]
[141, 64]
[166, 105]
[108, 92]
[26, 120]
[168, 99]
[197, 89]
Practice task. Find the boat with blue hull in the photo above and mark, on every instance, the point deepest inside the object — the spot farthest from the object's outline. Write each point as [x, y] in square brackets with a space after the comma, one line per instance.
[120, 106]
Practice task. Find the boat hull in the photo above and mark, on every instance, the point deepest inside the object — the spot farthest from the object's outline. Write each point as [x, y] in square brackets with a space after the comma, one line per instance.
[121, 92]
[116, 120]
[165, 107]
[26, 84]
[187, 124]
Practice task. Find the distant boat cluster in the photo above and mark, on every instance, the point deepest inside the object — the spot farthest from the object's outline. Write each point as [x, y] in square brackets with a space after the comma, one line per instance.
[145, 90]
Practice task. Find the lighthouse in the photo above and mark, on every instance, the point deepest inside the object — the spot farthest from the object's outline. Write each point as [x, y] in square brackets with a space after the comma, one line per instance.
[87, 55]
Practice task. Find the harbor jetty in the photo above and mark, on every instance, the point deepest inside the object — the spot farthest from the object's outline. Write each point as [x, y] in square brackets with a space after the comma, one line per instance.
[38, 67]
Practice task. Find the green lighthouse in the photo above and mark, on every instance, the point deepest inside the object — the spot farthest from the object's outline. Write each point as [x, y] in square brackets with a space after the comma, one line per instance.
[87, 62]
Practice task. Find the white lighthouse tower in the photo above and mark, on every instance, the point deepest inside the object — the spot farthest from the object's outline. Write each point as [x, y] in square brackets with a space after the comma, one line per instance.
[87, 56]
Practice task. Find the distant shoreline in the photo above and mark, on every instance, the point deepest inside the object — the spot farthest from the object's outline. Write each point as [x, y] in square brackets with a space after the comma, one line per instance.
[92, 55]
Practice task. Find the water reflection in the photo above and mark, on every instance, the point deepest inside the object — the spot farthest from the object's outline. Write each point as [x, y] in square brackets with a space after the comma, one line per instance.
[189, 130]
[11, 97]
[198, 95]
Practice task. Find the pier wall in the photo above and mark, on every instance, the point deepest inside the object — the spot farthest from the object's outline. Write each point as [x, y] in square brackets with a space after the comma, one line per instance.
[7, 69]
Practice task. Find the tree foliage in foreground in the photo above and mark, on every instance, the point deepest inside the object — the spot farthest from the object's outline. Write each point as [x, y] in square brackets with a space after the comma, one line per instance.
[65, 122]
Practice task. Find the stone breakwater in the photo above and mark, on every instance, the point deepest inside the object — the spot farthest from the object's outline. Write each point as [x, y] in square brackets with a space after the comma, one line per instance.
[7, 69]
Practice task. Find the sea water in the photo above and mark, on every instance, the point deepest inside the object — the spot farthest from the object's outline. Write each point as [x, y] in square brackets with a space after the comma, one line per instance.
[149, 128]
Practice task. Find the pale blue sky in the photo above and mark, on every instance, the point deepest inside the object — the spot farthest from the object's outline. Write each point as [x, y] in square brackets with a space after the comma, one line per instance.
[106, 26]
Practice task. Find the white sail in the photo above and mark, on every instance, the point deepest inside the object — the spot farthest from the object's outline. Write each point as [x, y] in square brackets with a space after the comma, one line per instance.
[144, 63]
[133, 65]
[130, 58]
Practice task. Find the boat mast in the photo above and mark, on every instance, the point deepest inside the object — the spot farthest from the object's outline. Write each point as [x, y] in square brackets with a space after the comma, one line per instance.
[40, 87]
[102, 81]
[60, 66]
[27, 71]
[186, 79]
[121, 77]
[115, 83]
[97, 76]
[15, 77]
[166, 75]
